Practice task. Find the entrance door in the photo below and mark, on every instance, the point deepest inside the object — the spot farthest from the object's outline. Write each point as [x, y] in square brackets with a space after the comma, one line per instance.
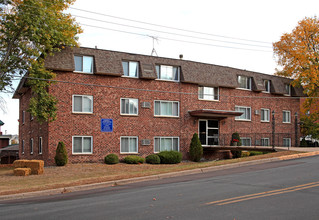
[209, 132]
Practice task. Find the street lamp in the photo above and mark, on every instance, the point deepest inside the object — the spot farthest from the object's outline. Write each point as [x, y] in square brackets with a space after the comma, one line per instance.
[273, 130]
[296, 129]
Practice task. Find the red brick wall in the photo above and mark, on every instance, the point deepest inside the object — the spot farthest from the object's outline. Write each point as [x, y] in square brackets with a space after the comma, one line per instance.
[106, 104]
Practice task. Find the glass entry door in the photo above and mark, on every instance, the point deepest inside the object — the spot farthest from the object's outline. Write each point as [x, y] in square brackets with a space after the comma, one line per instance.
[209, 132]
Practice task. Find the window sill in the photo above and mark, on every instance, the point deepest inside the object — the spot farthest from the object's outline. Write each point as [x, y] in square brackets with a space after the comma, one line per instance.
[167, 80]
[245, 120]
[165, 116]
[131, 77]
[129, 115]
[209, 100]
[286, 122]
[128, 153]
[83, 72]
[265, 92]
[265, 121]
[82, 113]
[244, 89]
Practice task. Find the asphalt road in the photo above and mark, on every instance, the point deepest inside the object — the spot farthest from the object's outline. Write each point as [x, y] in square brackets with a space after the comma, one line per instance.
[276, 190]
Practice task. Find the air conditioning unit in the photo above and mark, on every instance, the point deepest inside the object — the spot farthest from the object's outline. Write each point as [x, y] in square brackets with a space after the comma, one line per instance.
[256, 112]
[146, 142]
[146, 105]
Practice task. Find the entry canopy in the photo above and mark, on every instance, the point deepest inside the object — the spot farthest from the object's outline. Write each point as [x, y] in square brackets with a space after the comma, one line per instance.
[211, 113]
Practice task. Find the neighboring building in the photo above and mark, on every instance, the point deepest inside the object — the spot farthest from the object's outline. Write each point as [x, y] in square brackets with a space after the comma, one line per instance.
[8, 152]
[122, 103]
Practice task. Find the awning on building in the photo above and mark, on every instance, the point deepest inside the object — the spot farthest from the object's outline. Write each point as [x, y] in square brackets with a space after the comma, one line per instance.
[211, 113]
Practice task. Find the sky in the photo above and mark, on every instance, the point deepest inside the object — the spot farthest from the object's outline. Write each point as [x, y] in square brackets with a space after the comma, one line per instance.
[230, 33]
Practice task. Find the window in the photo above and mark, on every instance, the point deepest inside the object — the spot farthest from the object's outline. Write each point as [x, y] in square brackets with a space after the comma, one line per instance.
[264, 142]
[82, 145]
[264, 114]
[166, 108]
[130, 68]
[166, 143]
[40, 145]
[22, 147]
[129, 145]
[170, 73]
[246, 116]
[31, 146]
[244, 82]
[208, 93]
[83, 64]
[245, 141]
[287, 89]
[23, 117]
[287, 142]
[129, 106]
[286, 116]
[267, 86]
[82, 104]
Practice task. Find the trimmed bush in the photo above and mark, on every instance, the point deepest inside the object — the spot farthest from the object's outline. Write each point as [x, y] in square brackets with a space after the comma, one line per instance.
[111, 159]
[61, 156]
[195, 149]
[133, 159]
[245, 154]
[170, 157]
[153, 159]
[253, 153]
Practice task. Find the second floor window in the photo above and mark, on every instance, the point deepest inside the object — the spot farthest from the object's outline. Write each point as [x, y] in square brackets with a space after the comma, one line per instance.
[264, 114]
[267, 86]
[130, 68]
[170, 73]
[286, 116]
[82, 104]
[208, 93]
[246, 116]
[129, 106]
[287, 89]
[167, 108]
[83, 64]
[244, 82]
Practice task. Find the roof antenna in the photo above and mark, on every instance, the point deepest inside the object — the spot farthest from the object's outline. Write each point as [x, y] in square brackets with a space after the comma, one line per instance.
[153, 50]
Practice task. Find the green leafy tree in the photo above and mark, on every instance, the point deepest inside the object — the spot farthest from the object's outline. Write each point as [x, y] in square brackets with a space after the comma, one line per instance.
[61, 155]
[195, 149]
[298, 55]
[30, 30]
[310, 125]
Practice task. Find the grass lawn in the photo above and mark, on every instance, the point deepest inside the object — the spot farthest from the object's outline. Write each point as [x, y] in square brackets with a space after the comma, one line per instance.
[78, 174]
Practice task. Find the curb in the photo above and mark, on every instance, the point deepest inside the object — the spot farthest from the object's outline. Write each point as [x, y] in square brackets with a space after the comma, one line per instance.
[149, 178]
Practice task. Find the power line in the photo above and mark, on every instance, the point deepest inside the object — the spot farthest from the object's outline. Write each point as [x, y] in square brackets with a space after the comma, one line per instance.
[163, 26]
[165, 32]
[176, 40]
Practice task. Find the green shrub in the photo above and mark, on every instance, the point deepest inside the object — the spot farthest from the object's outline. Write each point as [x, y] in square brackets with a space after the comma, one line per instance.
[133, 159]
[303, 143]
[245, 154]
[170, 157]
[235, 136]
[61, 156]
[236, 153]
[253, 153]
[111, 159]
[195, 149]
[153, 159]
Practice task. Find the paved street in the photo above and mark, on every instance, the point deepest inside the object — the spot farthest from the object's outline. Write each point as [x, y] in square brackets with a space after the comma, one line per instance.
[277, 190]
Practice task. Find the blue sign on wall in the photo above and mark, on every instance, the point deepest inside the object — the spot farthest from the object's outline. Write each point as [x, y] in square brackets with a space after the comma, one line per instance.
[106, 125]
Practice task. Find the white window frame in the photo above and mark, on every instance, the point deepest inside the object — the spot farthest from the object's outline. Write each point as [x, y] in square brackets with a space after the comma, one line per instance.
[82, 112]
[283, 117]
[129, 138]
[264, 139]
[248, 82]
[79, 153]
[287, 93]
[40, 145]
[165, 101]
[129, 100]
[266, 81]
[31, 145]
[159, 70]
[237, 118]
[204, 95]
[164, 137]
[128, 63]
[286, 139]
[22, 150]
[262, 114]
[245, 138]
[83, 57]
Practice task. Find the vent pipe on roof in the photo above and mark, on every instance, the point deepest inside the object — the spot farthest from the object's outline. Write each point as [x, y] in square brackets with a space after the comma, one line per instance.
[95, 47]
[181, 56]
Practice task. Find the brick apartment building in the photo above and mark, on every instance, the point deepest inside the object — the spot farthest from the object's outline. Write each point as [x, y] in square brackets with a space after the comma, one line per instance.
[122, 103]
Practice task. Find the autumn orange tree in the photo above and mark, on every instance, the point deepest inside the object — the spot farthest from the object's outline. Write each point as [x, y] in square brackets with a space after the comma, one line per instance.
[29, 31]
[298, 55]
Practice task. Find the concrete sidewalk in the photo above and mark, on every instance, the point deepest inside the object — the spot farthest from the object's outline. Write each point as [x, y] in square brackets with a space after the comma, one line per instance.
[153, 177]
[305, 149]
